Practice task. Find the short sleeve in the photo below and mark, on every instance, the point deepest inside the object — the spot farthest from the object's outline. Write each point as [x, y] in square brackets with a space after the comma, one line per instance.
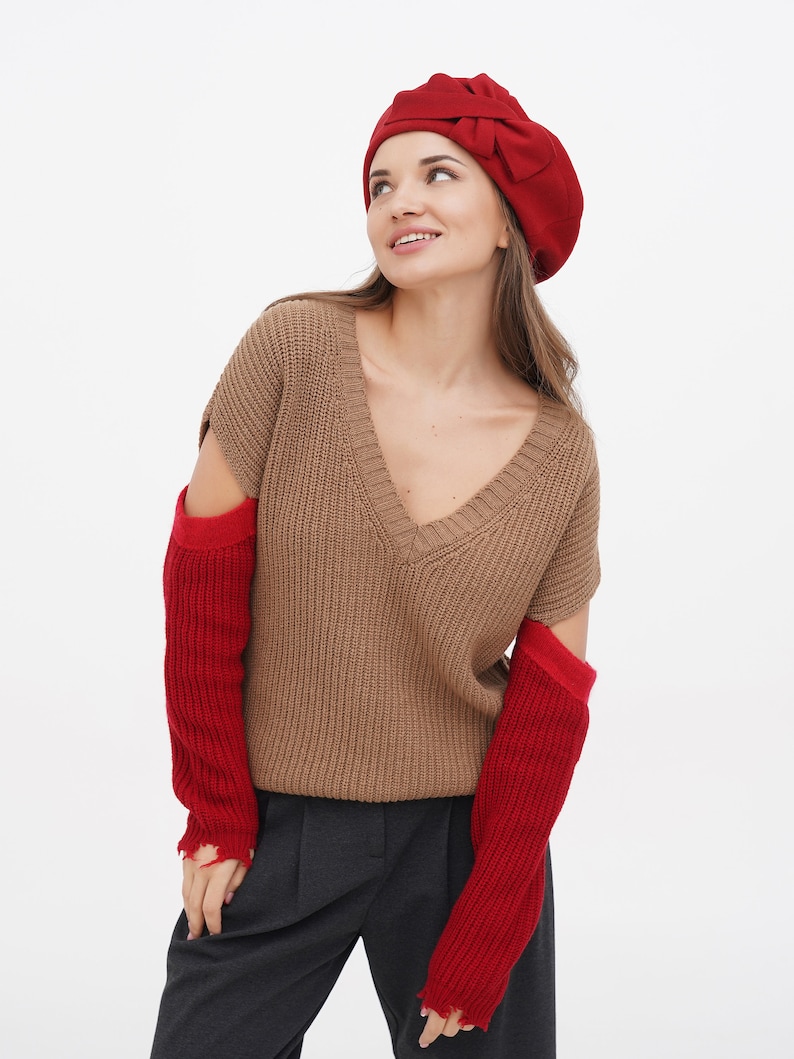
[573, 573]
[244, 405]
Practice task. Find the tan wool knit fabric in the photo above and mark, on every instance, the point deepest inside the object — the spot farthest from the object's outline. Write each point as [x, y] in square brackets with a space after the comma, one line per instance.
[375, 668]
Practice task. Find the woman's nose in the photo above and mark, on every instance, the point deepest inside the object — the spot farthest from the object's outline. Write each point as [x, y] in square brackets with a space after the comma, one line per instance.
[406, 200]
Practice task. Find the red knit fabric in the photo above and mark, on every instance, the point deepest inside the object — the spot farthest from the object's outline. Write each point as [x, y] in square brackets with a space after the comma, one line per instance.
[206, 582]
[525, 777]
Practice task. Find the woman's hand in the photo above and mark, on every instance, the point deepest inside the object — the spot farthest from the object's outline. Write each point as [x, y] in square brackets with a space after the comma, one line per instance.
[207, 887]
[436, 1026]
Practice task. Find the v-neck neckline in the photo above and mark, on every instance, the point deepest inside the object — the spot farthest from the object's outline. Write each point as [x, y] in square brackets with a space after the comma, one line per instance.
[414, 540]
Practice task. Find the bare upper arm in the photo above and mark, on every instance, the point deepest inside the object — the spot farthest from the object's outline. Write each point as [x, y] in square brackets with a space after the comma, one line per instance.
[572, 632]
[213, 489]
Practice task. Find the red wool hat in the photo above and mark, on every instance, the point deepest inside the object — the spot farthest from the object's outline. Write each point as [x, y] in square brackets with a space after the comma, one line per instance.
[527, 162]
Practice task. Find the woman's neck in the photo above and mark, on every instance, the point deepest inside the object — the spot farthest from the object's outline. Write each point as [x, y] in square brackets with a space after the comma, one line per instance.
[440, 338]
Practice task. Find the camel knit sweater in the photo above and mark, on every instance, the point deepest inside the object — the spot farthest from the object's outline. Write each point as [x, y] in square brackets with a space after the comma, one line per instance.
[375, 666]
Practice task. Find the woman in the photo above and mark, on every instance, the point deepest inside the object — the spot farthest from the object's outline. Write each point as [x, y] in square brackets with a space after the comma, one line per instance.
[393, 485]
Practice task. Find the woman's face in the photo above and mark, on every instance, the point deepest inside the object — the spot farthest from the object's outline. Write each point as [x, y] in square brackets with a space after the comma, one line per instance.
[434, 216]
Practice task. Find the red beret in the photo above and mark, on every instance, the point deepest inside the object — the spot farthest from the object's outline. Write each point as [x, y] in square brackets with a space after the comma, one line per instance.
[527, 162]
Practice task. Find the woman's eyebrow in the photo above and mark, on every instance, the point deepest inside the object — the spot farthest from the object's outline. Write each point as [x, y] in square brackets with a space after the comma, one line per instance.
[440, 158]
[431, 160]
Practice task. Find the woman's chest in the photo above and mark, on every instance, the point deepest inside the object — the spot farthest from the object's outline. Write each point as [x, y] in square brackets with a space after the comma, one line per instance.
[440, 452]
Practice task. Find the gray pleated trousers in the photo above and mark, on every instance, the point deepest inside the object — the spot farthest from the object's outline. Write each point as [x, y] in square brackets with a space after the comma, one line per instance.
[327, 872]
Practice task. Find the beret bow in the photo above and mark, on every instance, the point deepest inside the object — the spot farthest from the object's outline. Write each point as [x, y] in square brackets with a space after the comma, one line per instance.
[484, 124]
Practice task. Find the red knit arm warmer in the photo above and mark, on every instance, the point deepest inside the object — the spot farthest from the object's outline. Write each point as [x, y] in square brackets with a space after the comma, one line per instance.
[524, 780]
[206, 580]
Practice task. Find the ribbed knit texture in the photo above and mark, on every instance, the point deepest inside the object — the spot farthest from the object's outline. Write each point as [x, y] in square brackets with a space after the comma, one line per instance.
[522, 787]
[374, 669]
[206, 581]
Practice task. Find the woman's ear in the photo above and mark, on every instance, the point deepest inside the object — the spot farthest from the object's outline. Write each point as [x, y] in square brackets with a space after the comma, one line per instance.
[504, 239]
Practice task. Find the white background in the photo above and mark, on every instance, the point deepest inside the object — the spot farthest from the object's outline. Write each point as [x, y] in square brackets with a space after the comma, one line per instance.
[167, 170]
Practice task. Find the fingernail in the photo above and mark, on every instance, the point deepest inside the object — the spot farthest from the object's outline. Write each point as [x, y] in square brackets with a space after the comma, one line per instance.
[189, 936]
[228, 898]
[424, 1012]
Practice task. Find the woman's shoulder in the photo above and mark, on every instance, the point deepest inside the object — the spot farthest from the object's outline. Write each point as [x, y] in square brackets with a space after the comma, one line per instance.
[300, 312]
[573, 435]
[289, 314]
[288, 328]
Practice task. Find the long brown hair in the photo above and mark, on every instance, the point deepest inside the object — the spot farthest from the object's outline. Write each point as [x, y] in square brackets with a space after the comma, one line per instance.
[526, 338]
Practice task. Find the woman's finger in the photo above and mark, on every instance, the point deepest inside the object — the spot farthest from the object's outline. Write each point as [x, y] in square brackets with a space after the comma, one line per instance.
[452, 1026]
[187, 881]
[194, 905]
[437, 1026]
[219, 880]
[236, 882]
[433, 1028]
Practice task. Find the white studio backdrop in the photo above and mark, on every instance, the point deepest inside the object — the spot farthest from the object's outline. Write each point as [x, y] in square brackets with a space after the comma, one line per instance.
[170, 168]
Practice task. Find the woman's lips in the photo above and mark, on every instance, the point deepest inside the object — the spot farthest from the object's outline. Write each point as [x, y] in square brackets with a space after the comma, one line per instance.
[412, 241]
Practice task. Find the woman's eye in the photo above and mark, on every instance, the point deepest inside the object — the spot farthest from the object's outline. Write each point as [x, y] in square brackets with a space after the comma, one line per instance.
[441, 174]
[378, 189]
